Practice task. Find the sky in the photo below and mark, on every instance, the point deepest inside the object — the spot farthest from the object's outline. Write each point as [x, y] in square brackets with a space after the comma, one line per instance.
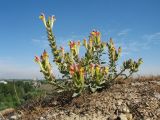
[133, 24]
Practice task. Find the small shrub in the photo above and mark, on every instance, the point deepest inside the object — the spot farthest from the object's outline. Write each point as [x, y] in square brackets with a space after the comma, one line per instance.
[89, 71]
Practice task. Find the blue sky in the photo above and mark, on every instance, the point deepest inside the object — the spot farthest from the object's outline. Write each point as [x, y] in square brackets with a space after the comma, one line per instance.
[135, 25]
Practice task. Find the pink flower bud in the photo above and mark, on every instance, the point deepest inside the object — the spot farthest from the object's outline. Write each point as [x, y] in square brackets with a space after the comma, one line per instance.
[37, 59]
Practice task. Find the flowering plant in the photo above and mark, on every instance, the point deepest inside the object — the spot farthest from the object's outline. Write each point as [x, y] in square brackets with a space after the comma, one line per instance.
[89, 71]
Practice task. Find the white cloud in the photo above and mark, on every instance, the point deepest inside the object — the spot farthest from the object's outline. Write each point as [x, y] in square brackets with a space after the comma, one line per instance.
[128, 47]
[146, 42]
[123, 32]
[42, 42]
[152, 38]
[143, 43]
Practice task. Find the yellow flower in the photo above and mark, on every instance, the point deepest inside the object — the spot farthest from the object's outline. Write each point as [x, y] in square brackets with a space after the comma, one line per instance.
[90, 43]
[42, 17]
[78, 43]
[85, 43]
[103, 45]
[62, 50]
[52, 20]
[106, 69]
[113, 55]
[98, 39]
[81, 71]
[97, 69]
[111, 41]
[77, 46]
[45, 55]
[119, 50]
[93, 33]
[92, 69]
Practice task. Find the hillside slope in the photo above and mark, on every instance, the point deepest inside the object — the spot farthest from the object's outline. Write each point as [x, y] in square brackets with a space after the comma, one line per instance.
[134, 99]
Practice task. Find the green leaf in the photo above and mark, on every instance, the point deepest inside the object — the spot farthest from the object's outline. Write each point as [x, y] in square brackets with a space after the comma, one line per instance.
[93, 89]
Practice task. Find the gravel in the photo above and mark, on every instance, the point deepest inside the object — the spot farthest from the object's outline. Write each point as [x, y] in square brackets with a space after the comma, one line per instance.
[131, 100]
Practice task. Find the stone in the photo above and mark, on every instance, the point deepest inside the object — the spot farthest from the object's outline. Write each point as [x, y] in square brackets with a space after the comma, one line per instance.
[14, 117]
[125, 109]
[112, 117]
[123, 117]
[119, 102]
[117, 95]
[136, 84]
[49, 116]
[157, 95]
[129, 116]
[148, 119]
[19, 116]
[158, 112]
[42, 118]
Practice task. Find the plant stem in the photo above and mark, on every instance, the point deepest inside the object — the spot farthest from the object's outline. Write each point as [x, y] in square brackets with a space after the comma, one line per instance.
[118, 74]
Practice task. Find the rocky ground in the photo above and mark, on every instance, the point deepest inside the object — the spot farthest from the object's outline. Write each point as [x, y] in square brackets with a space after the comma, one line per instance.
[134, 99]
